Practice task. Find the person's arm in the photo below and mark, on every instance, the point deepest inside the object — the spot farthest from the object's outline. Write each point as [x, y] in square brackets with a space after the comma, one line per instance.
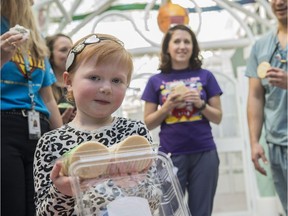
[154, 116]
[255, 115]
[47, 180]
[213, 111]
[48, 98]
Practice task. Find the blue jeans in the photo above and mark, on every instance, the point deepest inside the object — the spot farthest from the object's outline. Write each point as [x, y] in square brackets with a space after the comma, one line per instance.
[278, 162]
[198, 175]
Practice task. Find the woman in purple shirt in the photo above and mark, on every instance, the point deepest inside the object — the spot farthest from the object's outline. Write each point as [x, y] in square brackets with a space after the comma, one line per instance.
[185, 118]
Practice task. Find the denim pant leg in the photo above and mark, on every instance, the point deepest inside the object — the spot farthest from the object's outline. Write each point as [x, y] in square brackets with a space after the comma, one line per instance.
[278, 161]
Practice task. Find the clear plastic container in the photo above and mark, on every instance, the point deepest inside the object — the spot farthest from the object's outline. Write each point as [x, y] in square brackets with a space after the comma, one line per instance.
[130, 183]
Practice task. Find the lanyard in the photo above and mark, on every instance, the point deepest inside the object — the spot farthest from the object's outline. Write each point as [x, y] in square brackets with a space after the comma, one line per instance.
[30, 83]
[278, 55]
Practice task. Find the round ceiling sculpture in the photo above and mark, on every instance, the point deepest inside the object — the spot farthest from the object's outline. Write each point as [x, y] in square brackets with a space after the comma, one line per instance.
[170, 14]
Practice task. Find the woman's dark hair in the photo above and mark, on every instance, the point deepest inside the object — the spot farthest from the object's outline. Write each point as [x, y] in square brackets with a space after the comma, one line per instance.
[50, 41]
[195, 61]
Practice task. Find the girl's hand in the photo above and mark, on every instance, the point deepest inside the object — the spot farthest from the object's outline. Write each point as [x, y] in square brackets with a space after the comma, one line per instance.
[62, 183]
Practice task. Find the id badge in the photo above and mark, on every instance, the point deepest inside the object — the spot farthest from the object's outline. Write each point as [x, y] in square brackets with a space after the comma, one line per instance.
[34, 125]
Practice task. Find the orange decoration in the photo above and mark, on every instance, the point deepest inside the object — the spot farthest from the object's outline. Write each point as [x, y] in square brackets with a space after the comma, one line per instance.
[170, 14]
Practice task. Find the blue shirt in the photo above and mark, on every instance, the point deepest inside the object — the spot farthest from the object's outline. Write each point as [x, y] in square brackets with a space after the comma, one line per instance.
[14, 81]
[269, 49]
[185, 130]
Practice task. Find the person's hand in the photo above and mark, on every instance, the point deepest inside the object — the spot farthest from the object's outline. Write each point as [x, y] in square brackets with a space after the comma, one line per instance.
[277, 77]
[62, 183]
[9, 42]
[193, 97]
[69, 114]
[258, 153]
[172, 102]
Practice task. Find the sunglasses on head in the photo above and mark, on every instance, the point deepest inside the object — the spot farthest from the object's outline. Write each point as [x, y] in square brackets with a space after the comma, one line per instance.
[80, 47]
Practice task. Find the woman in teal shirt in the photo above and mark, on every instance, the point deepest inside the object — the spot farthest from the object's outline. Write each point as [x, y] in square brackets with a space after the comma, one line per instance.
[28, 108]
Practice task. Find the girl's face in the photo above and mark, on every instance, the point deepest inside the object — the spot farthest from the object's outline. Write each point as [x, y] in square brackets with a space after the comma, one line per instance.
[98, 90]
[61, 48]
[180, 49]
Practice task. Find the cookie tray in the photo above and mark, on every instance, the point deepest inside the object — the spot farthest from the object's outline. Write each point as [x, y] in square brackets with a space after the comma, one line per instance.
[124, 190]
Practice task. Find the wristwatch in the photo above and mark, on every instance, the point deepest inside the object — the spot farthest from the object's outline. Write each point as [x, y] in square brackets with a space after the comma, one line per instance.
[203, 106]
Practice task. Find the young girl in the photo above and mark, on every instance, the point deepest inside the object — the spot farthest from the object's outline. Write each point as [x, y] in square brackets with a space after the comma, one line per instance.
[98, 72]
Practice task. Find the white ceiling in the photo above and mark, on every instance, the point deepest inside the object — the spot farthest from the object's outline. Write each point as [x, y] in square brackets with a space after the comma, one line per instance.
[218, 23]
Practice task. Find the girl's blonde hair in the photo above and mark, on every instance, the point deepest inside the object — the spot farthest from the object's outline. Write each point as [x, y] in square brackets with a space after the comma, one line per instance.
[20, 12]
[109, 50]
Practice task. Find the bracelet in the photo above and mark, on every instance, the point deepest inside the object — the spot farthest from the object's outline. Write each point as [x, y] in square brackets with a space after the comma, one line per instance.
[203, 106]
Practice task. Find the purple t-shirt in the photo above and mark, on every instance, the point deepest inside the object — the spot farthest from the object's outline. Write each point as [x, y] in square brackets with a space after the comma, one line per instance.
[185, 130]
